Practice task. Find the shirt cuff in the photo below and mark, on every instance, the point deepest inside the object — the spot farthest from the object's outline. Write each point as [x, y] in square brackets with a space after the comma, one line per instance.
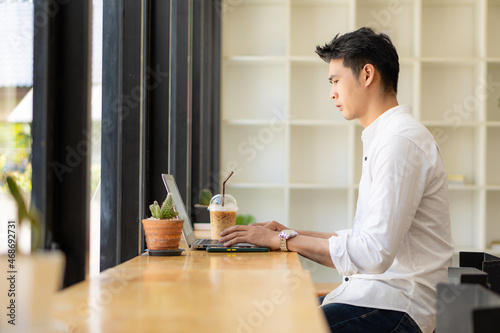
[344, 231]
[340, 255]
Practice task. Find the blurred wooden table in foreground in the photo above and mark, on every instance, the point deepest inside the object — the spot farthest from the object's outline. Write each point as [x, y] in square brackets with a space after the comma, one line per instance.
[198, 291]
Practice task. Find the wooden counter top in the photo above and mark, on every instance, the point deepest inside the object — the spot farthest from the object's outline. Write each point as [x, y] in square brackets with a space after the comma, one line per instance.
[198, 291]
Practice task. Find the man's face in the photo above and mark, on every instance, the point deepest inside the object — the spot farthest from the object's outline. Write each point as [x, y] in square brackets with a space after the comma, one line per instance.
[346, 91]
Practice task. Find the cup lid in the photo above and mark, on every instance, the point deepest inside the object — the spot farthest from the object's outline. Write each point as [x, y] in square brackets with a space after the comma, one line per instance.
[229, 202]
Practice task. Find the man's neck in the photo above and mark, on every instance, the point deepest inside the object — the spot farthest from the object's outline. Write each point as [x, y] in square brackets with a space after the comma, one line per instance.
[377, 108]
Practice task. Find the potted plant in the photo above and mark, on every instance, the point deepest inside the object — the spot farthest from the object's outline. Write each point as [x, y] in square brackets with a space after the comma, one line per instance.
[245, 219]
[25, 214]
[201, 212]
[163, 230]
[36, 273]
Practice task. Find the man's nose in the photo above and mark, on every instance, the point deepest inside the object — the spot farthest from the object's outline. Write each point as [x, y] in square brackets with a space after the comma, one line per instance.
[333, 93]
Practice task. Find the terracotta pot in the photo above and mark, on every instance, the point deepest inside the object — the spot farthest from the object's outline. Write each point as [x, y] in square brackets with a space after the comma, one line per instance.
[163, 234]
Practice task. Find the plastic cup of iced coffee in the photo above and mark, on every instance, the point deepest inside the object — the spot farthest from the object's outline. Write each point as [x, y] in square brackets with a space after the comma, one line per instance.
[223, 210]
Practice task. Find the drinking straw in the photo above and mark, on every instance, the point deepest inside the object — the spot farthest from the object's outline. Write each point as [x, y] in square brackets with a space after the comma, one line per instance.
[224, 187]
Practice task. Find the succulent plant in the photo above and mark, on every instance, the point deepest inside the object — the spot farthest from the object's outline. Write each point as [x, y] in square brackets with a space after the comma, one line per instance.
[205, 196]
[167, 209]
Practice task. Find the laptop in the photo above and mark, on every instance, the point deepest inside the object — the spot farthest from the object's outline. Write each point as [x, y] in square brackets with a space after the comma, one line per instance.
[187, 230]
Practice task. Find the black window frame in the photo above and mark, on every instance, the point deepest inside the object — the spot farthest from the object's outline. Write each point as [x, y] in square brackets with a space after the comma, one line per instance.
[161, 88]
[178, 131]
[61, 127]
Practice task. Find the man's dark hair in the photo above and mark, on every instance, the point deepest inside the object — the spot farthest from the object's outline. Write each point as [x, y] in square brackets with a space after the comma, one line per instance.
[362, 47]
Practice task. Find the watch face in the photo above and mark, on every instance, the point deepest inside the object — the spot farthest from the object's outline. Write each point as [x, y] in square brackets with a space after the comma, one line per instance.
[288, 234]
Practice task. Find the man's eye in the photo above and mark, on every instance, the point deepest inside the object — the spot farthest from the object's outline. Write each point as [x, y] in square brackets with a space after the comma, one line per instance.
[335, 81]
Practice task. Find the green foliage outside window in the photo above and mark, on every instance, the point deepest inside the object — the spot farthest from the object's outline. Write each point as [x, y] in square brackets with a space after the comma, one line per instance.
[15, 154]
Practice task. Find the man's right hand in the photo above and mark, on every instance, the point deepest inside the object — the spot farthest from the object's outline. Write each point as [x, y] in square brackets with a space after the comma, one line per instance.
[273, 225]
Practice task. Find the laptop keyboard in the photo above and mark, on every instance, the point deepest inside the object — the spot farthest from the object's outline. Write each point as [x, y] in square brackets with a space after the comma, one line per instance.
[207, 241]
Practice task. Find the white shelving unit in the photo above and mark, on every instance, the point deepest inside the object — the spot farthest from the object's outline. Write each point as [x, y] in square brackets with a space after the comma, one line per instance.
[296, 159]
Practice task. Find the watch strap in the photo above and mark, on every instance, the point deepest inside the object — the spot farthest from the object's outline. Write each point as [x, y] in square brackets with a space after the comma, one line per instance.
[283, 244]
[284, 236]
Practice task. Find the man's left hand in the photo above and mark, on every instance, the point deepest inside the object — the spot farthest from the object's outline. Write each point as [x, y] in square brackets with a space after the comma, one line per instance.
[258, 235]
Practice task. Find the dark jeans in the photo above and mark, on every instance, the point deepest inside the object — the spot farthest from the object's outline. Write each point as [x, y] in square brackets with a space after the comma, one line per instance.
[350, 318]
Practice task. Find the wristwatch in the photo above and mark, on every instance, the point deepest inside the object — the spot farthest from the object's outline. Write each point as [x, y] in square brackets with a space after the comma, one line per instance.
[284, 235]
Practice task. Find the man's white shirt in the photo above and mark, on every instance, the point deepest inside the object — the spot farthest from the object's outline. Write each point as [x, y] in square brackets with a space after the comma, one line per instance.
[400, 245]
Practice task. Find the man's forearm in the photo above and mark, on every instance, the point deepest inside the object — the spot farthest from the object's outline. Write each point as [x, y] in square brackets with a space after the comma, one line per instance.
[315, 234]
[316, 249]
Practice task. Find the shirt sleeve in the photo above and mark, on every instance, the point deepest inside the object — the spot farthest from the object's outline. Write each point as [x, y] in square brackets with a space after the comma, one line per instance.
[340, 256]
[399, 171]
[344, 231]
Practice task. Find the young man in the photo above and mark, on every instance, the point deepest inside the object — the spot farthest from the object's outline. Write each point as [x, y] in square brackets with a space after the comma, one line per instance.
[400, 245]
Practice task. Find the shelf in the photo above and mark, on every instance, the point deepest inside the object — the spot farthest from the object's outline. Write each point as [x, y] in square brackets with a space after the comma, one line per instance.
[395, 19]
[316, 60]
[254, 122]
[310, 92]
[493, 27]
[464, 220]
[319, 122]
[255, 28]
[488, 250]
[318, 210]
[454, 187]
[464, 140]
[493, 187]
[235, 4]
[358, 154]
[451, 60]
[315, 186]
[492, 217]
[293, 150]
[448, 3]
[448, 93]
[450, 29]
[493, 92]
[406, 84]
[265, 204]
[255, 153]
[255, 185]
[313, 25]
[260, 59]
[326, 3]
[452, 124]
[316, 155]
[493, 156]
[253, 91]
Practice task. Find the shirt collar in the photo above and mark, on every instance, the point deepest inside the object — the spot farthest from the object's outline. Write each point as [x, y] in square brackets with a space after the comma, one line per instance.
[371, 131]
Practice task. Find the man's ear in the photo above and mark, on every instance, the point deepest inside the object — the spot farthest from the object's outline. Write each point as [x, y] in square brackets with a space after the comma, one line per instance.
[367, 75]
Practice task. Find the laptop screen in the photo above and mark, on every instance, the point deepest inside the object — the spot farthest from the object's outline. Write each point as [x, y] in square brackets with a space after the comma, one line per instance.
[187, 229]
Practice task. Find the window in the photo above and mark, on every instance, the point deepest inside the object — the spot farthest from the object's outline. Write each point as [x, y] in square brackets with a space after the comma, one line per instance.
[96, 128]
[16, 81]
[151, 117]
